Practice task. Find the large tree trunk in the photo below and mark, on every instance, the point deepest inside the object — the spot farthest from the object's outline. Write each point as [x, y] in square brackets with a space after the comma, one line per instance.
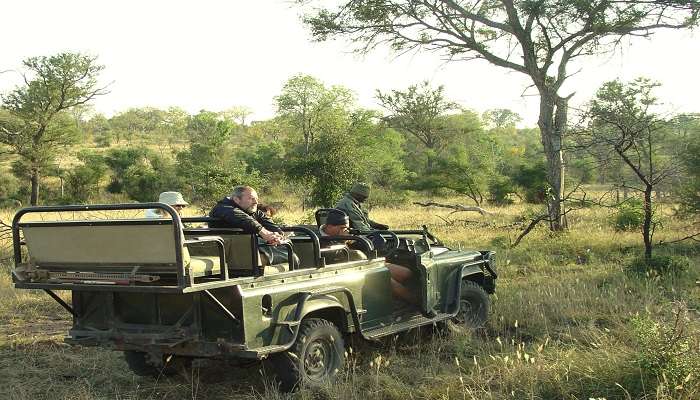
[646, 227]
[34, 199]
[552, 123]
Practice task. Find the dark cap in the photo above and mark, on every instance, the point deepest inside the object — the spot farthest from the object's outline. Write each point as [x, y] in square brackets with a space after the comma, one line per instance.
[337, 217]
[361, 189]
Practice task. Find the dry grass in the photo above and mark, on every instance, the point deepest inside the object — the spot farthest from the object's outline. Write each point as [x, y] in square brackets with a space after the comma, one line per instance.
[565, 325]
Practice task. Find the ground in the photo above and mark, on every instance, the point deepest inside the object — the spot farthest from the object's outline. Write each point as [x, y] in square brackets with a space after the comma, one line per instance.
[568, 322]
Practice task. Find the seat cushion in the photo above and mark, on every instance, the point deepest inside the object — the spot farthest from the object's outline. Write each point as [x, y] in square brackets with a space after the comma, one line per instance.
[204, 265]
[275, 269]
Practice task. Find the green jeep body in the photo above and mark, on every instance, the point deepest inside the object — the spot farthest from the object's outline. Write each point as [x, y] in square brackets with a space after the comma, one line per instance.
[154, 290]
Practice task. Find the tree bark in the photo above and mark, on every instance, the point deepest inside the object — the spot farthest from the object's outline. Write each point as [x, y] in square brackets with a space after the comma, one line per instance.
[34, 199]
[646, 227]
[552, 124]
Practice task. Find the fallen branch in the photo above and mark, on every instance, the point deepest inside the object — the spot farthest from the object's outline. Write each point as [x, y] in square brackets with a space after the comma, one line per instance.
[455, 207]
[692, 237]
[530, 227]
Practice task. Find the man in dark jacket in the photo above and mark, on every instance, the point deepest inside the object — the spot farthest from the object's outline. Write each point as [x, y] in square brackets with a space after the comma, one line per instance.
[240, 210]
[351, 204]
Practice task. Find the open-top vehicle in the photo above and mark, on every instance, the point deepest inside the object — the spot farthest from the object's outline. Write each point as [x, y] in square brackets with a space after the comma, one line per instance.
[166, 293]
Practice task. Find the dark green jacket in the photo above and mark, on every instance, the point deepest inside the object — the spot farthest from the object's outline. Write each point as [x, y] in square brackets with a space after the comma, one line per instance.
[359, 219]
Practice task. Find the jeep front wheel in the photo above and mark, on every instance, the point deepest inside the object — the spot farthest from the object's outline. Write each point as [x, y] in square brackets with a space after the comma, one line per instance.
[316, 356]
[473, 306]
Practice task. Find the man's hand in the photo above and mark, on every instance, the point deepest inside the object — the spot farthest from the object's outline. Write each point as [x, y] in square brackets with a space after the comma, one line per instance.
[381, 227]
[272, 238]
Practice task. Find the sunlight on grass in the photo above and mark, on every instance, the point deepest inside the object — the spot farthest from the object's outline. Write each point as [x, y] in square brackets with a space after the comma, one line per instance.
[561, 326]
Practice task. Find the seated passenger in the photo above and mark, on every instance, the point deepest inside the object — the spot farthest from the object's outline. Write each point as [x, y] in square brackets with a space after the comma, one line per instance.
[338, 224]
[351, 204]
[240, 210]
[173, 199]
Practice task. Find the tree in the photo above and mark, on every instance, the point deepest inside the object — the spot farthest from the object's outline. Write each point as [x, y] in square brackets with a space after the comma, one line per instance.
[35, 121]
[621, 119]
[690, 158]
[537, 38]
[309, 105]
[209, 167]
[420, 112]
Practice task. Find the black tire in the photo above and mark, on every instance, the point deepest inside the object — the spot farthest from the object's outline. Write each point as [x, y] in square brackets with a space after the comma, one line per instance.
[316, 356]
[473, 306]
[140, 365]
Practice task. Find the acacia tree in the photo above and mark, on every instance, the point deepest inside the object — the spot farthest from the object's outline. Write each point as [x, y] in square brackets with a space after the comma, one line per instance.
[420, 112]
[538, 38]
[306, 103]
[620, 121]
[34, 122]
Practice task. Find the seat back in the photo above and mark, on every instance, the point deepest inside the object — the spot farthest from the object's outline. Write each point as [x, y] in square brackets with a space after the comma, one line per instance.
[240, 249]
[89, 244]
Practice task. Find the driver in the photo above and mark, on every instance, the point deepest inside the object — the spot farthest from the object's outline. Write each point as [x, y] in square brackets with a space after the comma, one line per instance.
[351, 204]
[338, 224]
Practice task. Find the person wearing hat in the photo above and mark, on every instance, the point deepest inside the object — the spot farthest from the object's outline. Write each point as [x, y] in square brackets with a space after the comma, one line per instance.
[351, 204]
[338, 224]
[173, 199]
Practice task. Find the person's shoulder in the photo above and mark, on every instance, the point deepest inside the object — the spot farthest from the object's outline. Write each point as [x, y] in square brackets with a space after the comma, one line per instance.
[344, 200]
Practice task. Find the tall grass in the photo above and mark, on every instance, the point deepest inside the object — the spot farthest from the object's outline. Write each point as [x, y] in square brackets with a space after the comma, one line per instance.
[568, 322]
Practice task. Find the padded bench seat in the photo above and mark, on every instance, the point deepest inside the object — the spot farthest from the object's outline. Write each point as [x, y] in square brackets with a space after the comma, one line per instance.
[119, 246]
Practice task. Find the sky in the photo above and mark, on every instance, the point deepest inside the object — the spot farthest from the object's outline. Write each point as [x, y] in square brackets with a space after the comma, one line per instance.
[217, 54]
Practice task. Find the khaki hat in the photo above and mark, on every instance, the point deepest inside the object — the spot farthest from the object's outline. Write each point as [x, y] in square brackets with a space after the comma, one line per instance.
[172, 199]
[360, 188]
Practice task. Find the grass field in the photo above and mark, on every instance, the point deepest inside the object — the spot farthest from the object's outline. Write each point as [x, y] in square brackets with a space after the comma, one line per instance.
[567, 322]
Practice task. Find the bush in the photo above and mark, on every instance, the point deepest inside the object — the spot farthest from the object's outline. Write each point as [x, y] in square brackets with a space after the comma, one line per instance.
[629, 216]
[83, 182]
[665, 352]
[660, 265]
[9, 186]
[500, 188]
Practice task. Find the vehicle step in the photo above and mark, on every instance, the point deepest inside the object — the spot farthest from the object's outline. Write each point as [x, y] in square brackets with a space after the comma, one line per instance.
[412, 322]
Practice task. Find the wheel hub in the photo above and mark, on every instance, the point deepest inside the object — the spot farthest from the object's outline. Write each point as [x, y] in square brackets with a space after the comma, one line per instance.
[317, 358]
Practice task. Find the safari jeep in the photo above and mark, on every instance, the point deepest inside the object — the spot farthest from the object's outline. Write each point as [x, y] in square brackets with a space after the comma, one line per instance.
[166, 292]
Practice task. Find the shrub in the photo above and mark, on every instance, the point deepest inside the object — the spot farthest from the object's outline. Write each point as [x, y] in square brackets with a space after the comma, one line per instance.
[660, 265]
[9, 185]
[500, 188]
[665, 352]
[629, 216]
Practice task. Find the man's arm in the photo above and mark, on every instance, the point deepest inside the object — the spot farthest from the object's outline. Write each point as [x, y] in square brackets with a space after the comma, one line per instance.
[378, 226]
[267, 222]
[357, 218]
[236, 218]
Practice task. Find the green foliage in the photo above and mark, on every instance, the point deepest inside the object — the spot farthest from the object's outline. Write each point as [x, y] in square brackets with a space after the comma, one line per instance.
[331, 167]
[500, 188]
[209, 168]
[690, 157]
[629, 215]
[532, 178]
[83, 181]
[659, 265]
[419, 112]
[665, 352]
[119, 161]
[8, 186]
[34, 118]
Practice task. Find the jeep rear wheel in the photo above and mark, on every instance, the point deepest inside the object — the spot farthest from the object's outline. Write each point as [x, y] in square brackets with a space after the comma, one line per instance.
[473, 306]
[316, 356]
